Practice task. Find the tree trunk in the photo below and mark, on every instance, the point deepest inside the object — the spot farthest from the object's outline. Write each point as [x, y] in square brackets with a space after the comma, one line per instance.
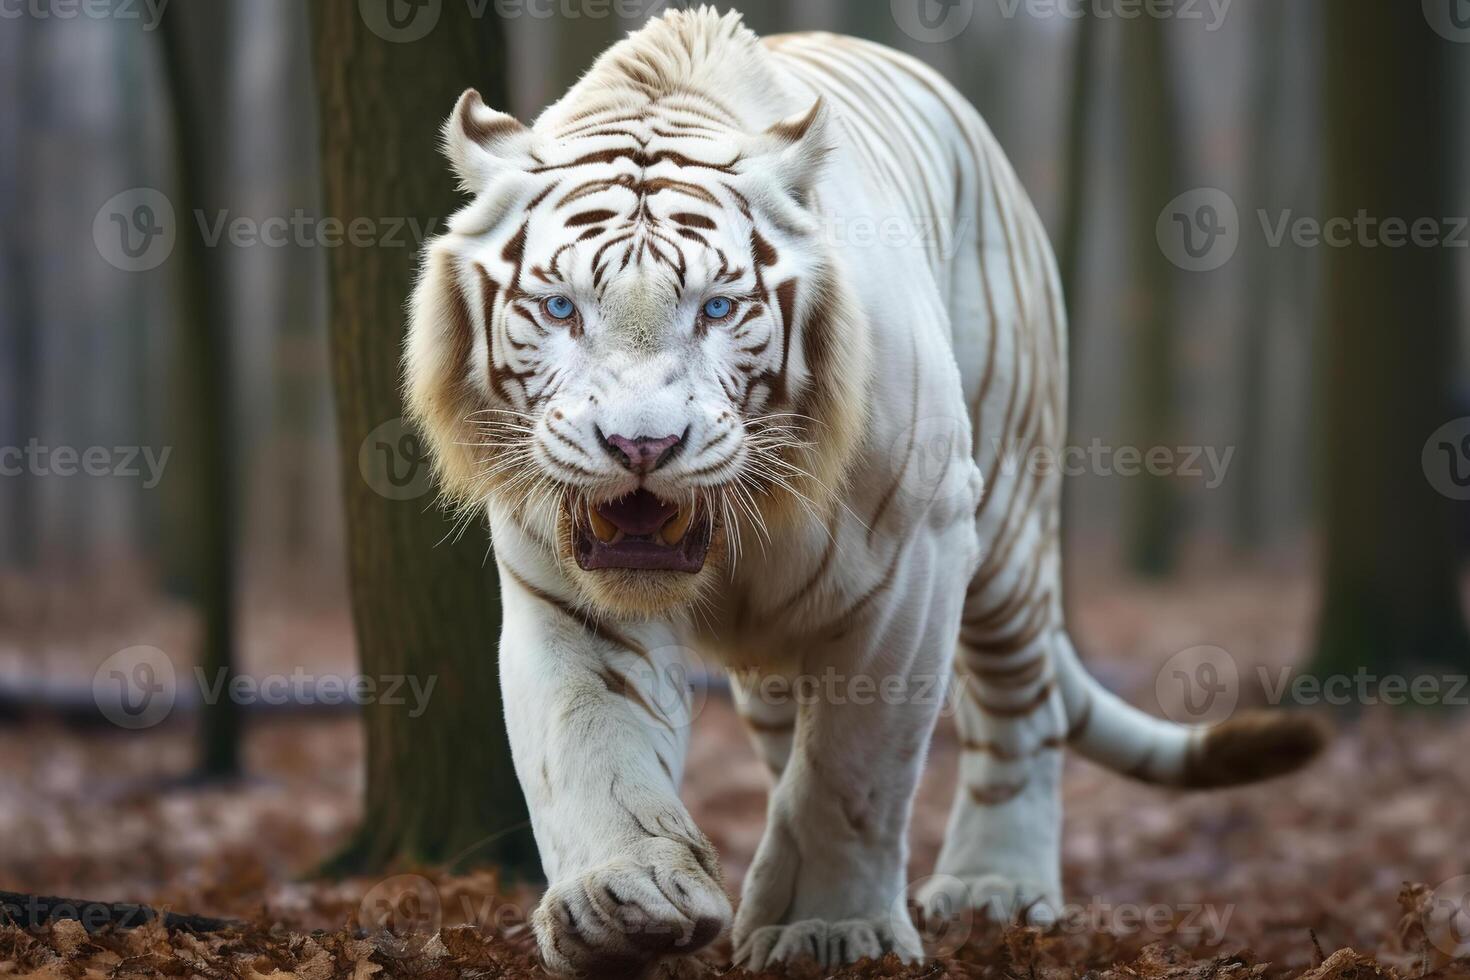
[1078, 157]
[197, 82]
[1391, 595]
[1073, 231]
[440, 787]
[1267, 55]
[1154, 132]
[18, 223]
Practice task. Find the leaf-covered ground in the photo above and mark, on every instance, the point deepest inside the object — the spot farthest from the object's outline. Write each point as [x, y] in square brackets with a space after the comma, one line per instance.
[1282, 880]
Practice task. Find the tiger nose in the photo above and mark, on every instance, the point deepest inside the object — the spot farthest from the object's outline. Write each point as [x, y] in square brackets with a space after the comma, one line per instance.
[642, 454]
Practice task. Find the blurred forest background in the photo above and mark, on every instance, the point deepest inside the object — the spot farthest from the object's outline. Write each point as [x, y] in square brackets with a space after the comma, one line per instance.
[1315, 378]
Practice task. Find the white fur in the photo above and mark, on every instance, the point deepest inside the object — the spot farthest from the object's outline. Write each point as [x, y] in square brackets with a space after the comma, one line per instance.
[860, 569]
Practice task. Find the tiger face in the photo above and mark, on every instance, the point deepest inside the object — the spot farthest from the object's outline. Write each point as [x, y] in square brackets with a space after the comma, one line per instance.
[634, 341]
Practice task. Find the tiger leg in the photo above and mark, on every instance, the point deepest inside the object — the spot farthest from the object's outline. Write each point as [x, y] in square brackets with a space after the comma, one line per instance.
[767, 708]
[828, 880]
[1002, 846]
[598, 722]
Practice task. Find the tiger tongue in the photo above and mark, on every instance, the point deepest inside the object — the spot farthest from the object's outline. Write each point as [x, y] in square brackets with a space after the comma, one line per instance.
[640, 513]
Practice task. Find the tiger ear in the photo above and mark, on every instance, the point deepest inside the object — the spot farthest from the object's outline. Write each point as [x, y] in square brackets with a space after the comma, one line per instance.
[792, 151]
[482, 144]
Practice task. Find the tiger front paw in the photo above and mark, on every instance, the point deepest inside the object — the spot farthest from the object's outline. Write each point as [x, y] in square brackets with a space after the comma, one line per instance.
[829, 944]
[617, 919]
[1004, 899]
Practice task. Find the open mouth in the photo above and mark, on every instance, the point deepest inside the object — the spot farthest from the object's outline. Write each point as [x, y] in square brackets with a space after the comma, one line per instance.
[641, 531]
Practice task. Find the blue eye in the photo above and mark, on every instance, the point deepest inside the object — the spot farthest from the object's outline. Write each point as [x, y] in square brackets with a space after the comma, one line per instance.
[558, 307]
[718, 308]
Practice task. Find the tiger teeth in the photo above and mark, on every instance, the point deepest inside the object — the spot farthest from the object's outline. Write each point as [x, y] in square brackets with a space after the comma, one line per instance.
[674, 531]
[607, 532]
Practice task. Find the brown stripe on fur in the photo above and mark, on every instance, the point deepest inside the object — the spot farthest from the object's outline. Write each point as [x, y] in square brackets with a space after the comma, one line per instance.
[655, 184]
[1021, 500]
[515, 248]
[1008, 678]
[786, 300]
[592, 217]
[542, 194]
[762, 251]
[793, 130]
[823, 564]
[639, 158]
[461, 332]
[691, 219]
[1002, 754]
[908, 453]
[1031, 629]
[1141, 770]
[996, 794]
[1084, 718]
[769, 727]
[839, 371]
[1008, 710]
[1255, 746]
[1005, 611]
[617, 683]
[485, 133]
[597, 629]
[840, 625]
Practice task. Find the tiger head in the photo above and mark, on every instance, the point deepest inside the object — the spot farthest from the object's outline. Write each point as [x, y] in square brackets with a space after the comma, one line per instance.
[635, 342]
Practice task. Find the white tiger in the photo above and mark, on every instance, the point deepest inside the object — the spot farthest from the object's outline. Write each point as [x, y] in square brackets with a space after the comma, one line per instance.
[731, 345]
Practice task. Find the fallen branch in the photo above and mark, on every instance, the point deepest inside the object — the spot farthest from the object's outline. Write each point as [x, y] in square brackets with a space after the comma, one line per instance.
[34, 911]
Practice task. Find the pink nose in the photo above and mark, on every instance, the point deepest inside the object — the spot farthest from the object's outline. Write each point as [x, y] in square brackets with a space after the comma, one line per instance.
[643, 454]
